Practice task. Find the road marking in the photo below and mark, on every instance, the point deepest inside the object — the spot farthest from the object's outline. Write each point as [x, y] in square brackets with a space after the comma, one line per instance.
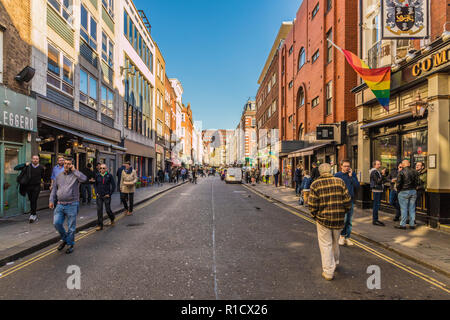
[374, 252]
[86, 234]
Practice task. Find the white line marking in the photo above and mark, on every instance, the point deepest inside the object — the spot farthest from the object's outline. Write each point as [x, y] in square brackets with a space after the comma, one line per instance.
[214, 241]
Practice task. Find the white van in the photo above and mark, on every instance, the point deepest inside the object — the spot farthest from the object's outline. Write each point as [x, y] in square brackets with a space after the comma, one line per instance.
[234, 175]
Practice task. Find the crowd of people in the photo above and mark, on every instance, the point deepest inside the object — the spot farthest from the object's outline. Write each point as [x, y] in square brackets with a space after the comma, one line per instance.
[70, 186]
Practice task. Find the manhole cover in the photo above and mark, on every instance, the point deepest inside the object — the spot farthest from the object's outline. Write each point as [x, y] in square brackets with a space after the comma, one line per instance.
[135, 224]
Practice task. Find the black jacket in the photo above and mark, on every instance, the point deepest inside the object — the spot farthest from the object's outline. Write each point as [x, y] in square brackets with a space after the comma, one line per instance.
[315, 174]
[89, 175]
[392, 175]
[408, 179]
[376, 180]
[104, 185]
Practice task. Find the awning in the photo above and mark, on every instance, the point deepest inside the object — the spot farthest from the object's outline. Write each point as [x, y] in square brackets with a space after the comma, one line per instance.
[307, 151]
[83, 136]
[385, 121]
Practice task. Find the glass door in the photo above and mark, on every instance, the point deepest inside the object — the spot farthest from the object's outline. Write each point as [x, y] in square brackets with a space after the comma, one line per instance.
[11, 200]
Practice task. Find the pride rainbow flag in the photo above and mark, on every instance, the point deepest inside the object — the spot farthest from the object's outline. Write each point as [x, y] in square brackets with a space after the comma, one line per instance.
[378, 80]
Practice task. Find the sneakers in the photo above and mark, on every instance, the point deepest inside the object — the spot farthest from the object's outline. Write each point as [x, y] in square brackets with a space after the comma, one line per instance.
[69, 250]
[327, 277]
[33, 218]
[349, 242]
[378, 223]
[400, 227]
[341, 240]
[99, 228]
[61, 246]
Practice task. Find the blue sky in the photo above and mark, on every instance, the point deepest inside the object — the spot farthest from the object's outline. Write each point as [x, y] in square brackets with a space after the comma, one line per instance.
[217, 49]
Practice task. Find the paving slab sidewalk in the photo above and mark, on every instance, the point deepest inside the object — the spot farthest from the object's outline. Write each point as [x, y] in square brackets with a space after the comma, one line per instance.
[19, 238]
[424, 245]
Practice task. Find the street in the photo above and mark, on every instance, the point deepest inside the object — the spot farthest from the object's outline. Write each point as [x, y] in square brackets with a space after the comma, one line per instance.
[211, 241]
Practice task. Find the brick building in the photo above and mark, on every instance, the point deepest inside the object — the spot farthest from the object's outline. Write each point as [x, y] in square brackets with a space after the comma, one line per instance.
[268, 101]
[18, 108]
[316, 81]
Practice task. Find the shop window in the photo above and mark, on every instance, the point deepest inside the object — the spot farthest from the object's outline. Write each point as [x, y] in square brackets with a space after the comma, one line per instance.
[45, 159]
[88, 30]
[385, 149]
[60, 78]
[415, 147]
[64, 8]
[65, 145]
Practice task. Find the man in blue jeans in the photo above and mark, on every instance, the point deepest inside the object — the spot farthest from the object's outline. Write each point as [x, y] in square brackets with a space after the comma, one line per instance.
[352, 184]
[407, 182]
[376, 184]
[66, 190]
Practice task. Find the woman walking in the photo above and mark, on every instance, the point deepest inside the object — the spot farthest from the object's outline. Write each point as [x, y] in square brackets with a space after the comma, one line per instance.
[127, 187]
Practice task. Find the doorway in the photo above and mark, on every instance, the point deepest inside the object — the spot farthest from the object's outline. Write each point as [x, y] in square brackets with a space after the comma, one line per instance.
[11, 202]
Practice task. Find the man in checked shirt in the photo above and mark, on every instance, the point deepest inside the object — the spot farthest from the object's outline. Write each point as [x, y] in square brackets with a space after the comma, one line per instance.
[328, 202]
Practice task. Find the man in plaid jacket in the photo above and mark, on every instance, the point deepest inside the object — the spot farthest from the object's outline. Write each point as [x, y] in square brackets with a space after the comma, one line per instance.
[328, 202]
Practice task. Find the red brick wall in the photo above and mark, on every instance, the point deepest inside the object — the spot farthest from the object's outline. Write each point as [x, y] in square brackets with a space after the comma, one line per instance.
[310, 33]
[16, 41]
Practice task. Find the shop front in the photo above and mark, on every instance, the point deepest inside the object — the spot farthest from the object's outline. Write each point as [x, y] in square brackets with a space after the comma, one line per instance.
[142, 159]
[415, 128]
[18, 123]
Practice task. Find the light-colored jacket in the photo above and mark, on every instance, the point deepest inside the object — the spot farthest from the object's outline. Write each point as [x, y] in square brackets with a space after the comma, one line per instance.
[128, 182]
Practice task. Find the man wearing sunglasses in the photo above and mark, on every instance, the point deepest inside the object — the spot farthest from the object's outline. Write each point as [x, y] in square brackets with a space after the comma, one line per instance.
[104, 188]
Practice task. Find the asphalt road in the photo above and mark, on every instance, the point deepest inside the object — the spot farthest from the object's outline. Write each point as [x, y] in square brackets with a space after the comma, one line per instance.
[210, 241]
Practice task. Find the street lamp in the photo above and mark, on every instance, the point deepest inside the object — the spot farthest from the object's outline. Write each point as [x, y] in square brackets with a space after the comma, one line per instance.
[418, 107]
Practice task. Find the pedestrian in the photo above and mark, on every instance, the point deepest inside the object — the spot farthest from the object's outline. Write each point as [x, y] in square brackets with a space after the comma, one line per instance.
[31, 180]
[55, 172]
[128, 187]
[258, 175]
[86, 187]
[422, 171]
[267, 175]
[351, 182]
[160, 175]
[194, 176]
[407, 182]
[328, 203]
[183, 174]
[66, 190]
[104, 187]
[376, 184]
[315, 172]
[166, 176]
[119, 176]
[305, 187]
[393, 193]
[276, 176]
[298, 176]
[97, 172]
[253, 176]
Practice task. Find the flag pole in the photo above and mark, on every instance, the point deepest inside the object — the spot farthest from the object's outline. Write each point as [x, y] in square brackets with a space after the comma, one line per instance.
[335, 46]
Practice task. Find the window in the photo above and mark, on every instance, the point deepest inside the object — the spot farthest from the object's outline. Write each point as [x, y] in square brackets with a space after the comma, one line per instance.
[375, 30]
[291, 84]
[107, 50]
[109, 6]
[274, 79]
[88, 89]
[150, 64]
[315, 102]
[291, 49]
[274, 106]
[329, 46]
[1, 56]
[300, 97]
[315, 56]
[125, 23]
[290, 119]
[61, 78]
[183, 132]
[107, 101]
[301, 58]
[183, 118]
[64, 8]
[329, 109]
[167, 119]
[315, 10]
[88, 28]
[329, 5]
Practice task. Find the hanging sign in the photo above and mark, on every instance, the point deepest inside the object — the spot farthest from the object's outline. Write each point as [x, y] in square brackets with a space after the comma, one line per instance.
[405, 19]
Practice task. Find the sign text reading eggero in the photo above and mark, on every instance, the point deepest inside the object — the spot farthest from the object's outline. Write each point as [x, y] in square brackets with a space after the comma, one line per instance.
[434, 61]
[18, 121]
[17, 110]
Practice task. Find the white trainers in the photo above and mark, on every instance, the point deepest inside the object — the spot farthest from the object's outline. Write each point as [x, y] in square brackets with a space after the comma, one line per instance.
[327, 277]
[33, 218]
[349, 242]
[341, 240]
